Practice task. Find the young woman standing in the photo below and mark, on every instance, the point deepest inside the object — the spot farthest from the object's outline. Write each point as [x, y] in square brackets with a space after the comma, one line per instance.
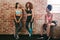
[30, 16]
[17, 19]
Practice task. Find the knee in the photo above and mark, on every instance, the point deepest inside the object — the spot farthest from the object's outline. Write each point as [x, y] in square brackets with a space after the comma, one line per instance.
[48, 24]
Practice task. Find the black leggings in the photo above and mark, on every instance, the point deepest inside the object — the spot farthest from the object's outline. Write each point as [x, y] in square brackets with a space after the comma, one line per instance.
[18, 26]
[29, 29]
[27, 24]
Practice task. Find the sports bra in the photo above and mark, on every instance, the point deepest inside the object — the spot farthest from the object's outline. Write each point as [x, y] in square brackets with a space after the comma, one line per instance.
[48, 18]
[28, 11]
[18, 12]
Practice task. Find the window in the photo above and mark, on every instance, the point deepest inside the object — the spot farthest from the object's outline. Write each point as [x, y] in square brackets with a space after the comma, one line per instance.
[55, 4]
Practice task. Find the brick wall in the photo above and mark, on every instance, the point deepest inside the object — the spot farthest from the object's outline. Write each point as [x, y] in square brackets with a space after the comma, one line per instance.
[7, 12]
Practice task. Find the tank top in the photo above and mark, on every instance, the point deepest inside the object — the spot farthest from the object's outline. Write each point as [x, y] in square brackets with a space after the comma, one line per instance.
[48, 18]
[28, 11]
[18, 12]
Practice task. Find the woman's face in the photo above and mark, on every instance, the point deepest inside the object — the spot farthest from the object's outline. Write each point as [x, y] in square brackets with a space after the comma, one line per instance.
[27, 5]
[18, 5]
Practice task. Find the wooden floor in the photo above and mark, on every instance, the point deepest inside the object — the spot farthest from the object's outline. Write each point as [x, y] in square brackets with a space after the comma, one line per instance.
[22, 37]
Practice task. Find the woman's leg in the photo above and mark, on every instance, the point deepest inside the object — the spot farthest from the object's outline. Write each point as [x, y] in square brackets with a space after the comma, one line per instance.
[48, 30]
[16, 29]
[20, 27]
[41, 31]
[30, 29]
[27, 25]
[51, 32]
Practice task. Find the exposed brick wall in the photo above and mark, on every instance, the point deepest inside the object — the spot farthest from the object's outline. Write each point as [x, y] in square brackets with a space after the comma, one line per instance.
[7, 12]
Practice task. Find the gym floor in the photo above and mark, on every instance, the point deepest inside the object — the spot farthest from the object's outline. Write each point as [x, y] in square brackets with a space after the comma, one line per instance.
[21, 37]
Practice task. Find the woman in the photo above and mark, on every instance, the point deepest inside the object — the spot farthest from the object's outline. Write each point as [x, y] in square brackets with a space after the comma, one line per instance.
[30, 15]
[48, 19]
[17, 19]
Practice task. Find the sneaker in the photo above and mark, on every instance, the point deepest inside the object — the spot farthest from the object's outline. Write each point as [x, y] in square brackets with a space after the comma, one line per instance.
[42, 37]
[29, 35]
[17, 37]
[14, 35]
[50, 38]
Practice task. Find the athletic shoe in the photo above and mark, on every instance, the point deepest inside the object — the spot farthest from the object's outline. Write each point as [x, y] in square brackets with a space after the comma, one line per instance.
[29, 35]
[17, 37]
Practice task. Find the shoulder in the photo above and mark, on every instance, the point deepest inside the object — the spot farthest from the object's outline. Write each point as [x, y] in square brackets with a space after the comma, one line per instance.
[22, 9]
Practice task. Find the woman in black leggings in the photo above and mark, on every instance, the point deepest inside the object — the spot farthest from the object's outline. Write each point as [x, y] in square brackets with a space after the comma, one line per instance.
[29, 19]
[17, 19]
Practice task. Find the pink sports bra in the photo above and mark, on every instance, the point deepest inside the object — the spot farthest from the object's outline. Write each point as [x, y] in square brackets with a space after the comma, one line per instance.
[48, 18]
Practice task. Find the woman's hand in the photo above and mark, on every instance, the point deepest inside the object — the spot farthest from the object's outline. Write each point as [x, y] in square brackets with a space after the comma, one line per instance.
[18, 21]
[32, 20]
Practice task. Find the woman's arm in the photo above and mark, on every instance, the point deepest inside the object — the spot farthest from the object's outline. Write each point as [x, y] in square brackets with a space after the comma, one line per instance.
[32, 15]
[51, 17]
[15, 18]
[20, 17]
[45, 19]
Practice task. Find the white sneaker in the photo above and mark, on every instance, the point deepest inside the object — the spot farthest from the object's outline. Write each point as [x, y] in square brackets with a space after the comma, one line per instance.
[29, 35]
[42, 37]
[17, 37]
[14, 35]
[49, 38]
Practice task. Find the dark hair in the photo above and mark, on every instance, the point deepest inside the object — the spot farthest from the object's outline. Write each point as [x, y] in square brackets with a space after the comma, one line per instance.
[49, 7]
[16, 5]
[30, 5]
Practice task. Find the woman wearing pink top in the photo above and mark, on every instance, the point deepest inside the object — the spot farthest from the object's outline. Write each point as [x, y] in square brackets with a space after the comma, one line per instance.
[48, 20]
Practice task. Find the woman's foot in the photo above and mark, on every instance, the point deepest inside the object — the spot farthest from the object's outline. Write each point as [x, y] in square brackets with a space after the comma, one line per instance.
[30, 32]
[17, 37]
[29, 35]
[50, 38]
[14, 35]
[41, 37]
